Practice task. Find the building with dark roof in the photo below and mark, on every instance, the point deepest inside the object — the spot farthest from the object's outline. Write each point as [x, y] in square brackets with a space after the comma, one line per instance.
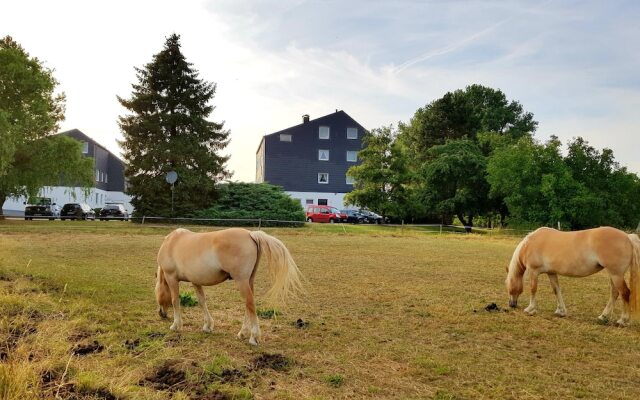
[109, 183]
[310, 160]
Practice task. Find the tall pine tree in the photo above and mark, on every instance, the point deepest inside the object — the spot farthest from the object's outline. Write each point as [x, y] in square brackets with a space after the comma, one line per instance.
[167, 129]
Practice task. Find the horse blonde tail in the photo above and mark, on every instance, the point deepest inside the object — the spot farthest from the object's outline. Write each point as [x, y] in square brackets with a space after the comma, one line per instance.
[634, 280]
[163, 294]
[286, 278]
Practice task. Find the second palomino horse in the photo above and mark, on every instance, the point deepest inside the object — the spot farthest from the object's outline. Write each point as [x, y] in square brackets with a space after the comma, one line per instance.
[578, 254]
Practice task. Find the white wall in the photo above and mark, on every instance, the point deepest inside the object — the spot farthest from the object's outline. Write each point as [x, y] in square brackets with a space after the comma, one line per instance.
[61, 195]
[333, 199]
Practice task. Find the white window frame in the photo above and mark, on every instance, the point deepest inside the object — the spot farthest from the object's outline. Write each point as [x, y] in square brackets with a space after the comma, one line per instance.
[285, 137]
[323, 173]
[85, 147]
[97, 175]
[356, 156]
[350, 180]
[352, 130]
[320, 155]
[309, 202]
[321, 131]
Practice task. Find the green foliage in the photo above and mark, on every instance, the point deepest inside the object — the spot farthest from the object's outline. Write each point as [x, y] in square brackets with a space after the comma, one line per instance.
[254, 201]
[30, 157]
[454, 180]
[383, 180]
[268, 313]
[187, 299]
[167, 129]
[335, 380]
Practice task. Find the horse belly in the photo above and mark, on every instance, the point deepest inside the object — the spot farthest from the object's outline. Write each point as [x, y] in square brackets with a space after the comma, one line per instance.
[578, 267]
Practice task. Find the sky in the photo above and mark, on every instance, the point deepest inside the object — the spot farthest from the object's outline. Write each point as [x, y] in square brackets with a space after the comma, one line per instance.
[574, 64]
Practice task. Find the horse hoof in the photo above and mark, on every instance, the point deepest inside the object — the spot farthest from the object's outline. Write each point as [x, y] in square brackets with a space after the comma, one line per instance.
[530, 312]
[206, 329]
[622, 322]
[241, 335]
[174, 328]
[560, 314]
[253, 342]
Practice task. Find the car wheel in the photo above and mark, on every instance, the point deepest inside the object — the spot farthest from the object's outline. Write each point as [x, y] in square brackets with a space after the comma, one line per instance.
[309, 219]
[52, 219]
[26, 218]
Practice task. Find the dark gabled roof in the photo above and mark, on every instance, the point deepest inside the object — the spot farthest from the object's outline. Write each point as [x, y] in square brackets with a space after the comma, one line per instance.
[80, 133]
[319, 119]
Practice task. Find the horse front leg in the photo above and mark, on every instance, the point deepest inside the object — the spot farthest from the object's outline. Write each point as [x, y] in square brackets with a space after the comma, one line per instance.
[608, 309]
[533, 282]
[561, 310]
[174, 288]
[208, 321]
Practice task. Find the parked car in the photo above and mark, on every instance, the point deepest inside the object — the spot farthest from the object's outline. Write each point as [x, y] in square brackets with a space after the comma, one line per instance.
[114, 211]
[343, 216]
[371, 217]
[353, 216]
[323, 214]
[40, 207]
[77, 211]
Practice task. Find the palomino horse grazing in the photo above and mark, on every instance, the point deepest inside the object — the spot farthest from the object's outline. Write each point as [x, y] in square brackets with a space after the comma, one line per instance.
[578, 254]
[206, 259]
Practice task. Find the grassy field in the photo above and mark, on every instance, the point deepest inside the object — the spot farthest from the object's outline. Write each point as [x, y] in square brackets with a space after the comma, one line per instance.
[388, 314]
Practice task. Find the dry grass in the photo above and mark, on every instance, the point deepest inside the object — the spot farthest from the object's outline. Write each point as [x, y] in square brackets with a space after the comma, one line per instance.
[389, 316]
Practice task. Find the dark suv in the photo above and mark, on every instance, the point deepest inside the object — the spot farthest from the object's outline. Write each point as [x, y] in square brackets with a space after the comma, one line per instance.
[353, 216]
[40, 207]
[371, 217]
[114, 211]
[77, 211]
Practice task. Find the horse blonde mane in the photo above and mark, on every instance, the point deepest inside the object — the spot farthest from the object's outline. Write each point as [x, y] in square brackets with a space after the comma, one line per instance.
[634, 279]
[285, 276]
[516, 265]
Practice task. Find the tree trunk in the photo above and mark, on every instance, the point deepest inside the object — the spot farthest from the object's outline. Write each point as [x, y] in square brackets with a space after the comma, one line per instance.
[3, 198]
[467, 224]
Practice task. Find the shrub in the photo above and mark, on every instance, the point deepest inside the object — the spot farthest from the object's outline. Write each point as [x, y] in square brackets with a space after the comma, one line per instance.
[187, 300]
[246, 203]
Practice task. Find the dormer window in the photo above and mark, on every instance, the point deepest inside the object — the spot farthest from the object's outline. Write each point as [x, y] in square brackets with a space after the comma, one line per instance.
[323, 132]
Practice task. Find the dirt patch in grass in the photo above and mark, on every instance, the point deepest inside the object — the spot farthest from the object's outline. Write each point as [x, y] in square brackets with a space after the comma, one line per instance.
[8, 344]
[54, 386]
[82, 349]
[168, 376]
[276, 362]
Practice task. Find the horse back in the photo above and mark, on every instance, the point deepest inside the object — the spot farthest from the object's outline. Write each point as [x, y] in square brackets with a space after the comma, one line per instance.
[578, 253]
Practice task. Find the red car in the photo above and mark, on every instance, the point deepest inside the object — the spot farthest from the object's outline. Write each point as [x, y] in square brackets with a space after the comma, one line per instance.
[324, 214]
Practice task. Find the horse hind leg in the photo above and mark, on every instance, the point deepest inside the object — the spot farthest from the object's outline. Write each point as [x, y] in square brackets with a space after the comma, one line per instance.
[250, 323]
[623, 290]
[208, 321]
[608, 309]
[561, 310]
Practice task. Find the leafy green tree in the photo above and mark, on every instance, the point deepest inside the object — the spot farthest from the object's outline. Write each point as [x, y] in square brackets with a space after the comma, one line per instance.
[464, 114]
[30, 157]
[454, 180]
[535, 182]
[167, 129]
[383, 182]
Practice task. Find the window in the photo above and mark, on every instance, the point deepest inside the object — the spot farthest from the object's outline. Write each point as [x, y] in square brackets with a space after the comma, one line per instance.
[97, 175]
[323, 177]
[309, 201]
[350, 180]
[97, 199]
[323, 155]
[323, 132]
[285, 137]
[352, 133]
[101, 176]
[106, 178]
[352, 156]
[85, 147]
[322, 202]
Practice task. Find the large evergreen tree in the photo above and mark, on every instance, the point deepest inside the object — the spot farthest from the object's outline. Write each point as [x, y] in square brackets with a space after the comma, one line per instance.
[167, 129]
